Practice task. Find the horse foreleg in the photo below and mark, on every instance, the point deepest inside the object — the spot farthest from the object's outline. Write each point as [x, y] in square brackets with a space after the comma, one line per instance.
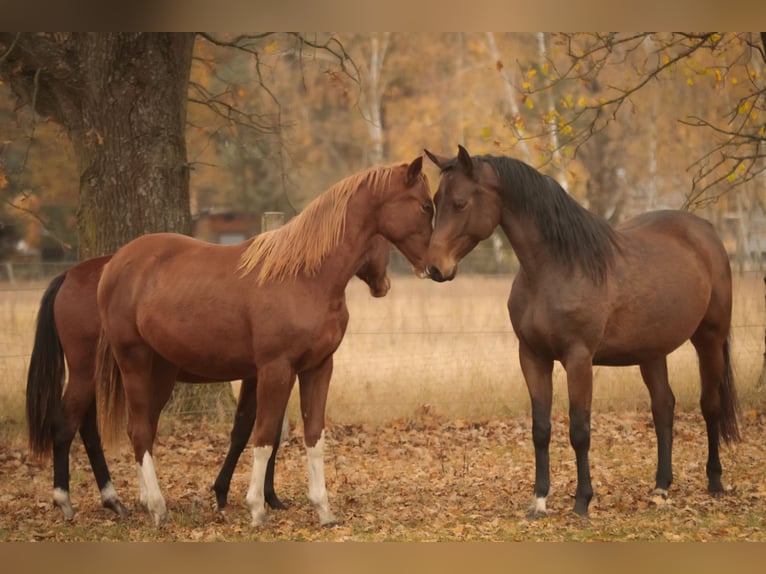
[538, 377]
[275, 381]
[314, 385]
[579, 369]
[655, 375]
[244, 419]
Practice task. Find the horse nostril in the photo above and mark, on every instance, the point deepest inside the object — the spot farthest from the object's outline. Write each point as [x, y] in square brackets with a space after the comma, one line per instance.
[435, 274]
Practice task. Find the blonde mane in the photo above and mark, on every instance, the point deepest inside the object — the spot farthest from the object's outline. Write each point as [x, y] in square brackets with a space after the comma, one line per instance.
[305, 241]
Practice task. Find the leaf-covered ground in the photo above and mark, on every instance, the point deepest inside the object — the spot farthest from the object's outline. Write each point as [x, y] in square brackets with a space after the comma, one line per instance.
[426, 478]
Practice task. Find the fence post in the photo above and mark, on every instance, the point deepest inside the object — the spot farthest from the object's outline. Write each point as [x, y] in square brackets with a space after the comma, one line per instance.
[9, 268]
[272, 220]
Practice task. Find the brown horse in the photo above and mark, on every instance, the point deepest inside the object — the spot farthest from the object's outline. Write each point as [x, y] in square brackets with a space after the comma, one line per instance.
[588, 294]
[270, 309]
[68, 328]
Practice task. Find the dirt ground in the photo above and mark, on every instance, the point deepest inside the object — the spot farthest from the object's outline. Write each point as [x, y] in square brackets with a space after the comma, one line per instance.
[425, 478]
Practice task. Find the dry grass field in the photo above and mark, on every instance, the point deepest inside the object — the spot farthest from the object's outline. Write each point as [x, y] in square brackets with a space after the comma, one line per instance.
[429, 438]
[449, 346]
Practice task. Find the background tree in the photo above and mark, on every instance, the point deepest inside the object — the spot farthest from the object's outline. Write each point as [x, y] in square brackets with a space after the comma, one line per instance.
[121, 98]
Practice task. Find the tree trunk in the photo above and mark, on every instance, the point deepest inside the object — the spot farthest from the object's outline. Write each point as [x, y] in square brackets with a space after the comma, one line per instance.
[122, 100]
[374, 96]
[131, 148]
[510, 94]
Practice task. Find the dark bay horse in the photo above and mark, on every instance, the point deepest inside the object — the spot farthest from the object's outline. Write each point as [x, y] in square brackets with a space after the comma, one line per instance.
[68, 328]
[270, 309]
[588, 294]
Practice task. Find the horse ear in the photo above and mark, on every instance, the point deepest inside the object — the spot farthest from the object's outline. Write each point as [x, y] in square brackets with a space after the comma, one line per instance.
[437, 159]
[414, 169]
[464, 159]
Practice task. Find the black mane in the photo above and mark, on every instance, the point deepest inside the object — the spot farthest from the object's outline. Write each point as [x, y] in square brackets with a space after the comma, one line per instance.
[574, 234]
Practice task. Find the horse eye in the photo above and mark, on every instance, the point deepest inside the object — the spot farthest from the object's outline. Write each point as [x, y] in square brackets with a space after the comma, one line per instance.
[427, 208]
[460, 204]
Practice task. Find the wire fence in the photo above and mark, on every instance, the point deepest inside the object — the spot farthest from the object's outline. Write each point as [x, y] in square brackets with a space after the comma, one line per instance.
[445, 347]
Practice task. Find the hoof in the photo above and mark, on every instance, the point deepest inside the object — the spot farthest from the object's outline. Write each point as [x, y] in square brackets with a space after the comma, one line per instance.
[221, 516]
[259, 518]
[331, 524]
[159, 514]
[117, 507]
[581, 509]
[659, 497]
[538, 508]
[67, 510]
[61, 499]
[273, 501]
[715, 487]
[221, 504]
[536, 514]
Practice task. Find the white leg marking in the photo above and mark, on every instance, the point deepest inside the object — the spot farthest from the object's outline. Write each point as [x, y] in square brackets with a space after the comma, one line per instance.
[255, 497]
[154, 499]
[539, 507]
[284, 434]
[317, 488]
[108, 493]
[142, 495]
[62, 500]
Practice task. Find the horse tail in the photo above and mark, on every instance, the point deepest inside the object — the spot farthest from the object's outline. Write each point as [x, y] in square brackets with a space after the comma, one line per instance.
[45, 378]
[728, 425]
[110, 393]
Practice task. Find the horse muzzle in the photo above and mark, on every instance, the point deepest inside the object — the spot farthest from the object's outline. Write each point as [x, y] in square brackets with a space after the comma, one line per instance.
[440, 276]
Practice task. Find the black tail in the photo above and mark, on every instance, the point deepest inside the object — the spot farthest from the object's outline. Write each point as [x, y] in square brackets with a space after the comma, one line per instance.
[729, 426]
[45, 380]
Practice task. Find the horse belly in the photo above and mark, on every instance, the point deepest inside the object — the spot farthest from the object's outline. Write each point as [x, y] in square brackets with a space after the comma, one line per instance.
[211, 350]
[634, 339]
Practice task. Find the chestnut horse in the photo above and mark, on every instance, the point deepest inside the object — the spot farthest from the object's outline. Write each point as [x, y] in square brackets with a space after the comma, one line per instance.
[588, 294]
[68, 328]
[269, 309]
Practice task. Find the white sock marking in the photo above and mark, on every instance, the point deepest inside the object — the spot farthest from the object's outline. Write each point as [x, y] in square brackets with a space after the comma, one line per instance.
[317, 488]
[155, 502]
[62, 500]
[108, 493]
[255, 496]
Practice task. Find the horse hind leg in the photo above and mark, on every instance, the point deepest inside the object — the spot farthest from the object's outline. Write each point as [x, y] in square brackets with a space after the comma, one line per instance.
[717, 397]
[655, 375]
[64, 428]
[92, 442]
[63, 434]
[147, 390]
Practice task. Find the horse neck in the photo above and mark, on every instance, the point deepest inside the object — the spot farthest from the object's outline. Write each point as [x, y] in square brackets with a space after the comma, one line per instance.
[527, 242]
[342, 263]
